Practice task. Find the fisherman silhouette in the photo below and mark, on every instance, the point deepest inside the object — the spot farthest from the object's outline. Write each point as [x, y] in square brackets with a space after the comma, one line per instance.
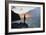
[15, 17]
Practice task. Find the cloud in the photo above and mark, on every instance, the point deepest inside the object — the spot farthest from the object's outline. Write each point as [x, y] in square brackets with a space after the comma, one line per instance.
[22, 9]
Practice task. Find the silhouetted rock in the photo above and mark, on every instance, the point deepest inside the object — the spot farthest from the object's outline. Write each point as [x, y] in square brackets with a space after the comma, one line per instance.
[19, 25]
[14, 16]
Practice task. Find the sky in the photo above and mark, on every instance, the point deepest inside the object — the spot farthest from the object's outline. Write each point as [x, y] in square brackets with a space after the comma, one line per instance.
[22, 9]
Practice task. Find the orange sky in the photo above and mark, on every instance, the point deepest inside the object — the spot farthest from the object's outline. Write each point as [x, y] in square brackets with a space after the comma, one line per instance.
[26, 15]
